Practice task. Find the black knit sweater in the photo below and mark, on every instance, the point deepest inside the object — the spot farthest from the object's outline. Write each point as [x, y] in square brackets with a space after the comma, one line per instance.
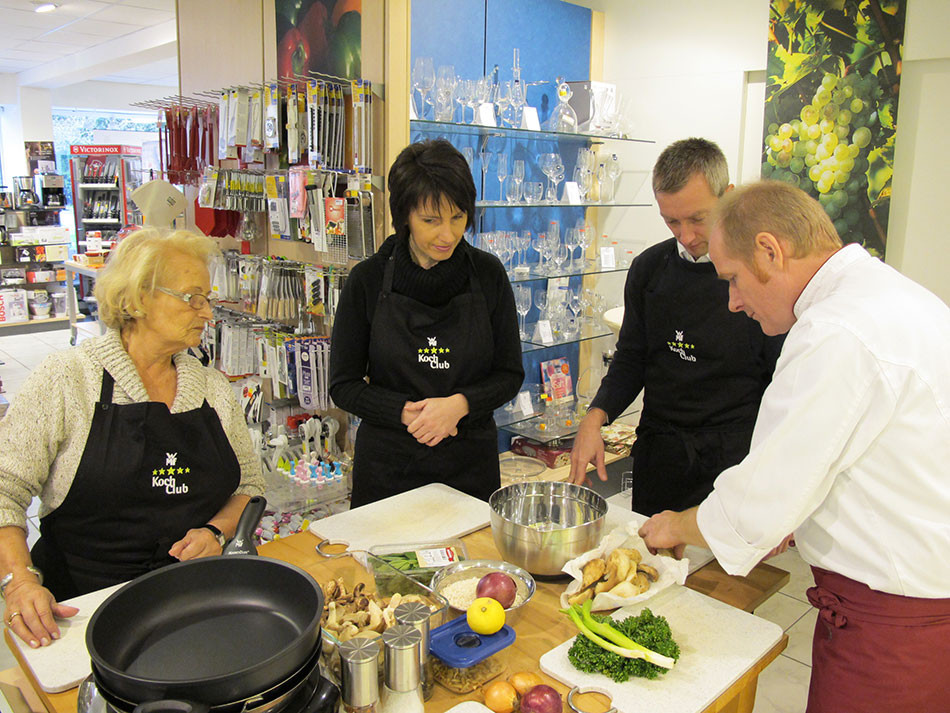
[349, 353]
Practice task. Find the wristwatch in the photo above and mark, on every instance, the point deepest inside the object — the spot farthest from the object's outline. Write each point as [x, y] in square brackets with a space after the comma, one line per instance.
[7, 578]
[217, 533]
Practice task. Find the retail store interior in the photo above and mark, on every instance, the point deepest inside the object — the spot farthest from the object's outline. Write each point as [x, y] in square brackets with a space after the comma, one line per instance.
[88, 91]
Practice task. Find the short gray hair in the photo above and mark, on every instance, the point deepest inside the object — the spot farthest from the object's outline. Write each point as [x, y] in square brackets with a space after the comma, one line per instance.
[681, 160]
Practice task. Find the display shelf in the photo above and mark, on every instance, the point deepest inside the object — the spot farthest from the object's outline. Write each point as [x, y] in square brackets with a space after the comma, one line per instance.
[111, 221]
[529, 427]
[428, 126]
[566, 271]
[560, 204]
[33, 321]
[587, 331]
[99, 186]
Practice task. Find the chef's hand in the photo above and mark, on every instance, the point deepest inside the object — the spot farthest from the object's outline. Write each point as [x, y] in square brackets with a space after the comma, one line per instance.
[199, 542]
[672, 530]
[588, 447]
[30, 612]
[782, 546]
[435, 419]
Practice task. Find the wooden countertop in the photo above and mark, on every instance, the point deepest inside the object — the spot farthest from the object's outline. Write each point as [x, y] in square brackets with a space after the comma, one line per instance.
[538, 629]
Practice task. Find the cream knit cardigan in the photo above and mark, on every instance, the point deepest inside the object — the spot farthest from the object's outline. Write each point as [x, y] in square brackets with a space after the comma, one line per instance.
[43, 435]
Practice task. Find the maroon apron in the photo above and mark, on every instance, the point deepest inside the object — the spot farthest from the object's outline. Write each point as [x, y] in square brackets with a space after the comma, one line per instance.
[875, 652]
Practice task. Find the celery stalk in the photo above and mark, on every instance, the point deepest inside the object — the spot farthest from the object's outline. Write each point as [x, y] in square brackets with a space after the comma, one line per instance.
[621, 645]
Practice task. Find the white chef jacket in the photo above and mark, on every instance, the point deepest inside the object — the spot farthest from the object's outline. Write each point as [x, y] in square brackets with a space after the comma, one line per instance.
[851, 447]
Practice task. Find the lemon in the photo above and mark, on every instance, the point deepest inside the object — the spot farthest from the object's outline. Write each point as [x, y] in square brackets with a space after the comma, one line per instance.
[485, 616]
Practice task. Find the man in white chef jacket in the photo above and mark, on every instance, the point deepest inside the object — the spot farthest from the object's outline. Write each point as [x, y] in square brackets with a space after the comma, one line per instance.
[850, 452]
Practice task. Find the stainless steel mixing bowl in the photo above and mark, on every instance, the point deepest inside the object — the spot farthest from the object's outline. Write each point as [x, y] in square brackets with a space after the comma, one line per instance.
[540, 526]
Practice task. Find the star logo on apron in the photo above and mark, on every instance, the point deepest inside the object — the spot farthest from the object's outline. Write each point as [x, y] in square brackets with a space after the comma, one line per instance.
[164, 477]
[680, 346]
[434, 355]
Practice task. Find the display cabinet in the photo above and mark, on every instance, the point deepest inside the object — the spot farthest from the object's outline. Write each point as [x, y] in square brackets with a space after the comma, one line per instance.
[103, 178]
[512, 210]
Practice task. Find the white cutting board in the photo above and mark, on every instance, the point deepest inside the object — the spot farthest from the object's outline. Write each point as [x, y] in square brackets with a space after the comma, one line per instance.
[431, 513]
[619, 513]
[65, 663]
[718, 644]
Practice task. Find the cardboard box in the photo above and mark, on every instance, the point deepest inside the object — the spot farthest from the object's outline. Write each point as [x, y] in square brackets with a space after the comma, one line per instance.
[554, 455]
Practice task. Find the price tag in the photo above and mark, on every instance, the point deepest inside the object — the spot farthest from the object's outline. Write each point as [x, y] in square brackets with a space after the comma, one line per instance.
[412, 108]
[572, 193]
[544, 329]
[524, 403]
[93, 244]
[608, 259]
[529, 119]
[486, 114]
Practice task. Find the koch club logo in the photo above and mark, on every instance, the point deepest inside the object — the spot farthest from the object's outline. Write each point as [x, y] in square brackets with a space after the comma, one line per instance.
[434, 355]
[164, 477]
[681, 346]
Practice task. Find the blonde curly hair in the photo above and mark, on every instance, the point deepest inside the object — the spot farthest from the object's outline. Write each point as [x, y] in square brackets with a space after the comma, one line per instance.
[138, 265]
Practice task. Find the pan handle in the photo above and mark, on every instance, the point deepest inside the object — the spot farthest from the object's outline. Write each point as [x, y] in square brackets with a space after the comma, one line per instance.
[170, 706]
[243, 541]
[324, 698]
[333, 555]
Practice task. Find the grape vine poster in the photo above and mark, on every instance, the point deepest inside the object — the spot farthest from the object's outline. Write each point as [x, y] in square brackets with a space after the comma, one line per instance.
[832, 84]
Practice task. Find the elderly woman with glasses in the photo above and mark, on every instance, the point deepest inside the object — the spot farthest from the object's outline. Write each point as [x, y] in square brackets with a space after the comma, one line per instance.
[139, 454]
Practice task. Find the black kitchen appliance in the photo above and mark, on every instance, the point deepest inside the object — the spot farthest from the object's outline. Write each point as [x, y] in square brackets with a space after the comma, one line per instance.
[50, 190]
[226, 634]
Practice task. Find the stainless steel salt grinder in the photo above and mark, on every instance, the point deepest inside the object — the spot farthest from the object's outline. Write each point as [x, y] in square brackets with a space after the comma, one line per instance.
[416, 615]
[401, 658]
[359, 675]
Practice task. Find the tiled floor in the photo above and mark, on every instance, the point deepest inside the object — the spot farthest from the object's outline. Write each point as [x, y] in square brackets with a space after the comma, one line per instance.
[783, 686]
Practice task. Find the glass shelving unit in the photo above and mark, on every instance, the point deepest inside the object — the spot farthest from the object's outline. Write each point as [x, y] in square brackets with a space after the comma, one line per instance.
[447, 127]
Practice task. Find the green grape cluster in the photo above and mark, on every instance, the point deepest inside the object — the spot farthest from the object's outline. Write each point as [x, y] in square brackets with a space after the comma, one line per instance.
[824, 151]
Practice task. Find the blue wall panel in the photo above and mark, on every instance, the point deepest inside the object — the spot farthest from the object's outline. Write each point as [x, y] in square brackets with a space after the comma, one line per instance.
[451, 32]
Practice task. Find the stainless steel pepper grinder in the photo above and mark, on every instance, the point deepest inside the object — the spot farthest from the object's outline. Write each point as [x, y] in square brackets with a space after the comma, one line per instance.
[416, 615]
[359, 674]
[402, 687]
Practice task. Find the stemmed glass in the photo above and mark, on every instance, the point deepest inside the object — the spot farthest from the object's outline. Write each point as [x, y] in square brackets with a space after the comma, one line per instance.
[585, 237]
[423, 80]
[541, 302]
[472, 100]
[469, 153]
[573, 242]
[445, 82]
[502, 175]
[485, 157]
[517, 178]
[602, 181]
[560, 256]
[524, 242]
[575, 304]
[523, 305]
[614, 170]
[537, 244]
[501, 98]
[558, 175]
[548, 163]
[483, 88]
[463, 91]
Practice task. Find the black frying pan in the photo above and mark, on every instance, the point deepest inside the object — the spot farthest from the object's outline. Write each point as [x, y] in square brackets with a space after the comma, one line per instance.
[214, 630]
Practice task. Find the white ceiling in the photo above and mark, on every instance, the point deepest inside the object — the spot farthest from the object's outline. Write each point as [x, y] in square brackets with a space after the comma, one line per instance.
[130, 41]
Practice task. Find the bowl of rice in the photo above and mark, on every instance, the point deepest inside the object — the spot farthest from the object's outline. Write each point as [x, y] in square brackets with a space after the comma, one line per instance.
[457, 584]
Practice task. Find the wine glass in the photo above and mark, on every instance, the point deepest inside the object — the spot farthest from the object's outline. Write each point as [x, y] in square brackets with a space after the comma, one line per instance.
[469, 153]
[547, 163]
[463, 90]
[483, 89]
[485, 157]
[473, 99]
[502, 174]
[575, 305]
[537, 244]
[501, 98]
[523, 305]
[445, 81]
[573, 242]
[423, 80]
[558, 175]
[524, 242]
[585, 237]
[614, 170]
[541, 302]
[517, 178]
[602, 181]
[560, 256]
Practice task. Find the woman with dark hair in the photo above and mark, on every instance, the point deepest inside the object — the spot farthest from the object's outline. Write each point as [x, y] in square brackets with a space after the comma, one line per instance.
[425, 341]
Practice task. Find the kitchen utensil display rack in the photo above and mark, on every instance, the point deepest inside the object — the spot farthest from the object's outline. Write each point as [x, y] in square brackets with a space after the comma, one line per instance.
[517, 423]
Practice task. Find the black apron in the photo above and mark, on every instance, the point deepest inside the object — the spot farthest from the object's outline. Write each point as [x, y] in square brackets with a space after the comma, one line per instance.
[427, 352]
[146, 477]
[698, 354]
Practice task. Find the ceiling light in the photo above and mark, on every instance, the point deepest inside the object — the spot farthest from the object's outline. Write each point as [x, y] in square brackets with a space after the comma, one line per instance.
[41, 6]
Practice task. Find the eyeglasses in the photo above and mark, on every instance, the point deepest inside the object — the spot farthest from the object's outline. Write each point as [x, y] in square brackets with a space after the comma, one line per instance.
[195, 300]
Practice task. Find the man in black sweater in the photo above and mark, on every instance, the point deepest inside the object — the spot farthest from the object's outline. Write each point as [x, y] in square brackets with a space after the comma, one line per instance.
[702, 368]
